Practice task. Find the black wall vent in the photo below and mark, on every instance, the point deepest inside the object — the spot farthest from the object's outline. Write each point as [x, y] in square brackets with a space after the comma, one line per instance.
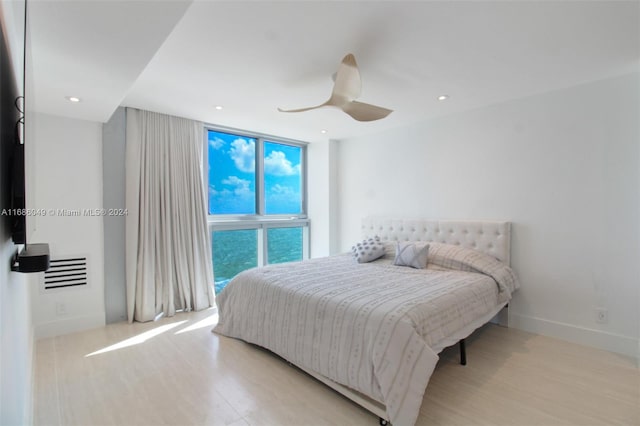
[70, 272]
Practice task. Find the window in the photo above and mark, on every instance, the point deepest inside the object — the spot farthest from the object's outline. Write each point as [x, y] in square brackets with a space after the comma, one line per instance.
[233, 252]
[284, 244]
[257, 208]
[232, 174]
[282, 178]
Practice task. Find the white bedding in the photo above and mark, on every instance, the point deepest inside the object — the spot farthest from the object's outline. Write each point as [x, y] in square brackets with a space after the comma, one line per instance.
[373, 327]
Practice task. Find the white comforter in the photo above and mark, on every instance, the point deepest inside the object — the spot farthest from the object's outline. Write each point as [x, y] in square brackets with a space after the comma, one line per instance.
[374, 327]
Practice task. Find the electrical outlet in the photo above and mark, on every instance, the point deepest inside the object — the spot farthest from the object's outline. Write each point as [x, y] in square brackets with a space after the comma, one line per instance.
[61, 309]
[602, 316]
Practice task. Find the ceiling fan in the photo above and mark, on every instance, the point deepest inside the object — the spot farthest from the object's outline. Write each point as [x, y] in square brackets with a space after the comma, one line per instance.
[346, 88]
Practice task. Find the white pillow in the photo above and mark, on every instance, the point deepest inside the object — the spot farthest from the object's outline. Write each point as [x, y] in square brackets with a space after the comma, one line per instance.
[368, 250]
[411, 254]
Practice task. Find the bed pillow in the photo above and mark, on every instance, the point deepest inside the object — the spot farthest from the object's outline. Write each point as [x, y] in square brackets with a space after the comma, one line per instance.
[390, 249]
[470, 260]
[411, 254]
[368, 250]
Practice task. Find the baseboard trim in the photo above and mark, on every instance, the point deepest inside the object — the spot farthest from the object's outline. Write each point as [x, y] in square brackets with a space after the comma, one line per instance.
[69, 325]
[624, 345]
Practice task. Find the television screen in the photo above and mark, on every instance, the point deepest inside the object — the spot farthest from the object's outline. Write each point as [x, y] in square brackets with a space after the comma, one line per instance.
[12, 186]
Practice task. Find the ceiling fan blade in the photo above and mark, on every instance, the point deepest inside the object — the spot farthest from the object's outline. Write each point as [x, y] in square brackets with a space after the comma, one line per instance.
[302, 109]
[365, 112]
[347, 84]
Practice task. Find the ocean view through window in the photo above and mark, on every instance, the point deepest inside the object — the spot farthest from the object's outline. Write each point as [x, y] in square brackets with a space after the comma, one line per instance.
[233, 252]
[256, 201]
[284, 245]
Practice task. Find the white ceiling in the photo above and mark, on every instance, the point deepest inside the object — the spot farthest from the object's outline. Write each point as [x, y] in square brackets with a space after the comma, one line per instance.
[185, 58]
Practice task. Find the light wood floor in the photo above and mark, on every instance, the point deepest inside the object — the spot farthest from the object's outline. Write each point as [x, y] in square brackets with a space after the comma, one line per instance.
[176, 372]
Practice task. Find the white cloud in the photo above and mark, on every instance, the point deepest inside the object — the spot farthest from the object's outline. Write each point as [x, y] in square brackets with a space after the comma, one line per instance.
[233, 195]
[216, 143]
[281, 190]
[240, 186]
[282, 199]
[276, 163]
[243, 153]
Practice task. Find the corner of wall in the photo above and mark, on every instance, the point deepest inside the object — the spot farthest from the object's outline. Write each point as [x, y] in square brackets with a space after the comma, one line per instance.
[113, 197]
[334, 199]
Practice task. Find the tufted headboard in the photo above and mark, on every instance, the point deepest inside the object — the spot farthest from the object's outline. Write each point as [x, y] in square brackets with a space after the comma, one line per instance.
[493, 238]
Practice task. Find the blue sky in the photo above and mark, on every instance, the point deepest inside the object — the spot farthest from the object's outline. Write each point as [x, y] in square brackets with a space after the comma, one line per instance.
[232, 181]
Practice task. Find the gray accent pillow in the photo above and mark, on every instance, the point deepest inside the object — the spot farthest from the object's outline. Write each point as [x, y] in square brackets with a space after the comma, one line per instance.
[411, 254]
[368, 250]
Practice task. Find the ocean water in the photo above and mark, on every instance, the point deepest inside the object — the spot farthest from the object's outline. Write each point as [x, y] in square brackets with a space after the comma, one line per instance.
[237, 250]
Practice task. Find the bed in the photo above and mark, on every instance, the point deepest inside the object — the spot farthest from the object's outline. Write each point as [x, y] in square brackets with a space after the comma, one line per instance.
[373, 331]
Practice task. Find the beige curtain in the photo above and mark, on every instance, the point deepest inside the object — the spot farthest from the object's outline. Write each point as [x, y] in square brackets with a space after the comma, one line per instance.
[168, 247]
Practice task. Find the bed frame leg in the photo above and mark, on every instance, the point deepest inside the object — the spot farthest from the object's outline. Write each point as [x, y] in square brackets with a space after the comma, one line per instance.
[463, 353]
[384, 422]
[503, 316]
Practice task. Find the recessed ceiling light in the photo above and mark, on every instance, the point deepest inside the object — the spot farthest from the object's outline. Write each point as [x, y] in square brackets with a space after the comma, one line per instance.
[219, 107]
[323, 131]
[72, 98]
[443, 97]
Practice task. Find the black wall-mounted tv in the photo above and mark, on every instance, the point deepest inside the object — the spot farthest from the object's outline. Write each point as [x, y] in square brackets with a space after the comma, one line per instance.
[14, 214]
[12, 167]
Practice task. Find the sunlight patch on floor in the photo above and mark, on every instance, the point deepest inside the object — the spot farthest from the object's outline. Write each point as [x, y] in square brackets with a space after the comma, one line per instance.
[209, 321]
[135, 340]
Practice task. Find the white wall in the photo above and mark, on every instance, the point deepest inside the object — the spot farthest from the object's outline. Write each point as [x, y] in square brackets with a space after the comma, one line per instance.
[322, 202]
[562, 166]
[68, 163]
[16, 330]
[16, 340]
